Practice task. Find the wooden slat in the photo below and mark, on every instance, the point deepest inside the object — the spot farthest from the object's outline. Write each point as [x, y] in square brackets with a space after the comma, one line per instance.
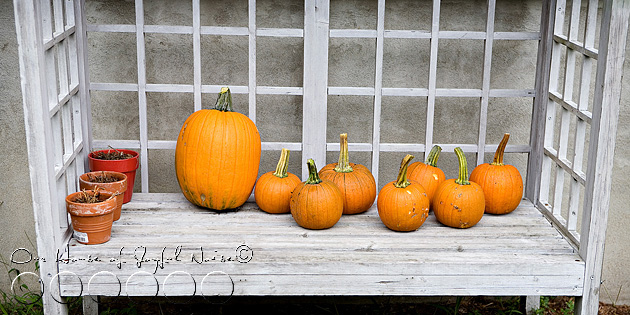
[560, 224]
[280, 32]
[114, 28]
[521, 253]
[565, 164]
[485, 82]
[569, 105]
[252, 59]
[378, 90]
[576, 46]
[38, 141]
[84, 83]
[221, 30]
[142, 96]
[316, 14]
[613, 34]
[435, 29]
[168, 29]
[57, 38]
[196, 11]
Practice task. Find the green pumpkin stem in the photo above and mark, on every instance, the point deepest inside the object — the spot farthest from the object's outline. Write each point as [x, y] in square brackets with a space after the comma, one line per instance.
[434, 155]
[498, 155]
[313, 177]
[224, 101]
[283, 164]
[343, 166]
[463, 167]
[401, 181]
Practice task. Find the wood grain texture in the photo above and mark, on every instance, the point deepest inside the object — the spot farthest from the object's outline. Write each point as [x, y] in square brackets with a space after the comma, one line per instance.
[515, 254]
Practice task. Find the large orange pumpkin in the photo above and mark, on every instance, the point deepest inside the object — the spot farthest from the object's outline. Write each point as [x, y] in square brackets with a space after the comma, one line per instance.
[217, 156]
[428, 174]
[273, 189]
[403, 204]
[459, 202]
[316, 203]
[355, 181]
[502, 183]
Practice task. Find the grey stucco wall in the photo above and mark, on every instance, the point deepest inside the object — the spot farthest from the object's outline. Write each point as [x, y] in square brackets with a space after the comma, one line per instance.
[112, 58]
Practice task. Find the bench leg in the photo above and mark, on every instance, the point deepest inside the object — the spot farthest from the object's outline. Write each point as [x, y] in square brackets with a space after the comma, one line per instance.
[90, 305]
[529, 304]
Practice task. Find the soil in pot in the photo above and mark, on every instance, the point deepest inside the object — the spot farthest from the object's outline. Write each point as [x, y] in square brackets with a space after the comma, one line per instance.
[115, 161]
[92, 214]
[107, 181]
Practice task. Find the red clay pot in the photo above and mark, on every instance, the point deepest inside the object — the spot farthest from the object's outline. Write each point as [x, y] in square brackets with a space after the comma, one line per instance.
[118, 186]
[92, 222]
[128, 167]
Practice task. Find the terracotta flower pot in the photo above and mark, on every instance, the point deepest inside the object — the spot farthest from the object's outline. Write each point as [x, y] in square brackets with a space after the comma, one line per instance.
[92, 222]
[118, 186]
[127, 166]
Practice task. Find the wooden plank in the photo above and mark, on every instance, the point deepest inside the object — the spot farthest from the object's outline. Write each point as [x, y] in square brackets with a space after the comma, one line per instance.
[534, 260]
[196, 55]
[565, 164]
[316, 29]
[485, 81]
[569, 105]
[435, 29]
[222, 30]
[252, 59]
[318, 285]
[59, 37]
[111, 28]
[614, 31]
[576, 46]
[168, 29]
[280, 32]
[142, 96]
[354, 33]
[279, 90]
[365, 147]
[85, 109]
[378, 91]
[38, 140]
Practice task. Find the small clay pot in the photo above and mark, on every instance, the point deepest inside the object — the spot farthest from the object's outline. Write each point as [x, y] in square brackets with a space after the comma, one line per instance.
[118, 186]
[127, 166]
[92, 222]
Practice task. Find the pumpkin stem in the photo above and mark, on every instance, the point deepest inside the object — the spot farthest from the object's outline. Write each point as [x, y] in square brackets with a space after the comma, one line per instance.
[313, 177]
[283, 164]
[434, 155]
[498, 155]
[224, 101]
[463, 167]
[401, 181]
[344, 162]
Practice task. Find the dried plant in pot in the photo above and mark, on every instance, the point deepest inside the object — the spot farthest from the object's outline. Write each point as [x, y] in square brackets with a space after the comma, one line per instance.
[107, 181]
[116, 160]
[92, 214]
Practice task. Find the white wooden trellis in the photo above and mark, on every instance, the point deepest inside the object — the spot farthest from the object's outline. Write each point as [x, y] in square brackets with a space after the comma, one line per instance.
[56, 86]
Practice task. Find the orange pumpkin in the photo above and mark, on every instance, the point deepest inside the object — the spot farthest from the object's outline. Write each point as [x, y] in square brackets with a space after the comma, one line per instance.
[273, 189]
[502, 183]
[428, 174]
[459, 202]
[316, 203]
[355, 181]
[217, 156]
[403, 205]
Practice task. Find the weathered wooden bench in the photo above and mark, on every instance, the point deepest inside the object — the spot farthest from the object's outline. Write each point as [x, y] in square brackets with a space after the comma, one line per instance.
[165, 246]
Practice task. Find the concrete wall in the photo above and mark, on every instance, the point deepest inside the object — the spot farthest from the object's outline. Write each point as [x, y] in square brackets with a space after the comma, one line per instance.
[112, 58]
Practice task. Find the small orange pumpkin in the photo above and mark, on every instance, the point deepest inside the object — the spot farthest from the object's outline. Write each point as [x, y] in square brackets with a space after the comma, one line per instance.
[217, 156]
[502, 183]
[316, 203]
[273, 189]
[403, 204]
[459, 203]
[428, 174]
[355, 181]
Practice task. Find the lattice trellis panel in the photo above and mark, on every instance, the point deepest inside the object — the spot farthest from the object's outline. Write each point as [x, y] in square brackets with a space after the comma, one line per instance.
[569, 113]
[315, 90]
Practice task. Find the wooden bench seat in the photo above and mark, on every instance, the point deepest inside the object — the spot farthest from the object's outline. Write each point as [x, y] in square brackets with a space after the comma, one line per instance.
[261, 254]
